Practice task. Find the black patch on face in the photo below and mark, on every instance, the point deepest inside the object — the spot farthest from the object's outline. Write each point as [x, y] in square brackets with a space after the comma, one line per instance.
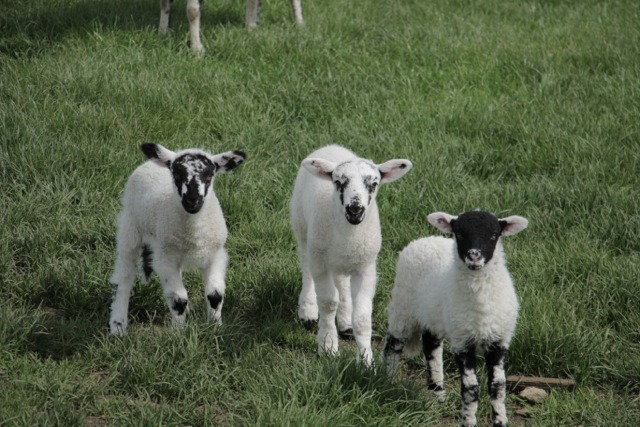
[341, 183]
[179, 305]
[476, 230]
[189, 170]
[147, 261]
[214, 299]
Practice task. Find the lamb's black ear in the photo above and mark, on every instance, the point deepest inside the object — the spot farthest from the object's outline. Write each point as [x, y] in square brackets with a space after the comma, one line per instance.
[157, 153]
[228, 161]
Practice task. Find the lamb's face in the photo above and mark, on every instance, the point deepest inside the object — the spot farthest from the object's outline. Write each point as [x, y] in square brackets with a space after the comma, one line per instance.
[476, 235]
[192, 176]
[193, 170]
[356, 186]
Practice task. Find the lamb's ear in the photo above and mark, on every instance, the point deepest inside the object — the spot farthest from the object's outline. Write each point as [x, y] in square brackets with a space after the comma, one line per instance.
[394, 169]
[513, 224]
[156, 152]
[319, 167]
[228, 161]
[442, 221]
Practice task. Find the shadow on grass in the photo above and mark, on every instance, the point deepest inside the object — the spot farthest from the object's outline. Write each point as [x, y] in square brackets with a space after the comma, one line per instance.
[30, 28]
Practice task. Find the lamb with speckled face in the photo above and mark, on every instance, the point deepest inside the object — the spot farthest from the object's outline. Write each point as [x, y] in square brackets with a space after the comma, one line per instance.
[459, 290]
[172, 219]
[335, 220]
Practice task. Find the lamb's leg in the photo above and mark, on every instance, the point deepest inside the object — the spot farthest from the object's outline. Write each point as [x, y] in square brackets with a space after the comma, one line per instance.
[495, 359]
[297, 11]
[123, 279]
[327, 306]
[173, 289]
[165, 16]
[193, 14]
[363, 289]
[432, 348]
[214, 284]
[253, 13]
[307, 302]
[345, 308]
[469, 387]
[124, 274]
[392, 353]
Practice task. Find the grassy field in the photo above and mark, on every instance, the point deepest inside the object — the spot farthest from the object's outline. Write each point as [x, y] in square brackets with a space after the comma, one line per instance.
[517, 107]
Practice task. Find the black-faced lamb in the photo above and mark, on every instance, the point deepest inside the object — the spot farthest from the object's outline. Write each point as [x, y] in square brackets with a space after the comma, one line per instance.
[335, 220]
[459, 290]
[172, 219]
[193, 14]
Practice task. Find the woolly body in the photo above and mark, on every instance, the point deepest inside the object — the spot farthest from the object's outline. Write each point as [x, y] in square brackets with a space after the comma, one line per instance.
[335, 220]
[459, 290]
[171, 217]
[435, 291]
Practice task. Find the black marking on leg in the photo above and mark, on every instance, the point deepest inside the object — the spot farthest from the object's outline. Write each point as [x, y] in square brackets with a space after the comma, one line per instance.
[214, 299]
[393, 345]
[466, 360]
[179, 305]
[347, 334]
[495, 356]
[114, 290]
[309, 324]
[147, 262]
[430, 343]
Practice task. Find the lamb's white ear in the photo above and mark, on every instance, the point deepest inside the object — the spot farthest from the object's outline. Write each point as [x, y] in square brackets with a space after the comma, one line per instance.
[513, 224]
[394, 169]
[442, 221]
[156, 152]
[319, 167]
[228, 161]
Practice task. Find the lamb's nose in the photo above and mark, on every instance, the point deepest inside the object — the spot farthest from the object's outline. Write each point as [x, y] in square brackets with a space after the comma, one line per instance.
[474, 255]
[355, 210]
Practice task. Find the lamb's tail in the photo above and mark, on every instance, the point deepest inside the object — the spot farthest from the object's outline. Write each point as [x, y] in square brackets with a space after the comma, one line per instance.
[147, 262]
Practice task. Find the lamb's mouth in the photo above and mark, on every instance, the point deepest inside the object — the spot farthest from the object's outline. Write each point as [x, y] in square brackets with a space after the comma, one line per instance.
[474, 265]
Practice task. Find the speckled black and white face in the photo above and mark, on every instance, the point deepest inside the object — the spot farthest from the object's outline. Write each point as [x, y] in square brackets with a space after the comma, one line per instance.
[477, 233]
[192, 176]
[193, 171]
[356, 182]
[356, 185]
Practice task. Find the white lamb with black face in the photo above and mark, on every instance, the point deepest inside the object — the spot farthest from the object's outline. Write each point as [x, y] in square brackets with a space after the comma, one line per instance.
[335, 220]
[194, 8]
[459, 290]
[172, 219]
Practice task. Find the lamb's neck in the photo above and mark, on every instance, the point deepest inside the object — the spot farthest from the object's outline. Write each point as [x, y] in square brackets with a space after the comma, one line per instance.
[483, 280]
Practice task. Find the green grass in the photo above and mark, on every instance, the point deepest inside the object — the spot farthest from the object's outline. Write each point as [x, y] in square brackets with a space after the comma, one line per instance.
[517, 107]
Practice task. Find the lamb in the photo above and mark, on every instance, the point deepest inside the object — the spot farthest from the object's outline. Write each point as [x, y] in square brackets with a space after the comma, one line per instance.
[335, 220]
[460, 290]
[172, 218]
[193, 14]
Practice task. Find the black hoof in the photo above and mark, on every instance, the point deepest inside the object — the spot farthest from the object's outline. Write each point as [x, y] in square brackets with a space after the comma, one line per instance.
[309, 324]
[347, 334]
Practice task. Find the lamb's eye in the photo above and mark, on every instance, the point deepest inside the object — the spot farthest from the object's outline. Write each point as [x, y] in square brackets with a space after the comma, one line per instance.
[494, 237]
[459, 236]
[373, 187]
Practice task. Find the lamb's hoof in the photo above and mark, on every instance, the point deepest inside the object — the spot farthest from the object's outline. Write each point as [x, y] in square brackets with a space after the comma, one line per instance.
[309, 324]
[347, 334]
